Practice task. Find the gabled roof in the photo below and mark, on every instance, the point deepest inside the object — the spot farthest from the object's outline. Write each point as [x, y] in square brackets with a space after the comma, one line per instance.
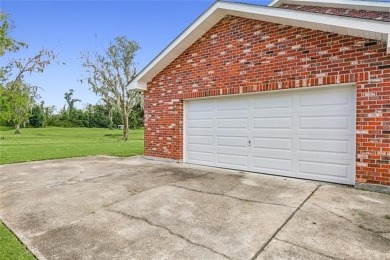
[330, 23]
[352, 4]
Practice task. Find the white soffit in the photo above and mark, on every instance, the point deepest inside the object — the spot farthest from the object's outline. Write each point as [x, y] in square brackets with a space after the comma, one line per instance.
[330, 23]
[351, 4]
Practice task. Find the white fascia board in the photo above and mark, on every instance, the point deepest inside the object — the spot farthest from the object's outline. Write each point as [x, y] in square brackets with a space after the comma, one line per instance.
[388, 43]
[330, 23]
[352, 4]
[138, 86]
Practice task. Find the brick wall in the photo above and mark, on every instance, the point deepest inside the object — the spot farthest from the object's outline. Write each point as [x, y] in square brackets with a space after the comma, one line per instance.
[241, 55]
[365, 14]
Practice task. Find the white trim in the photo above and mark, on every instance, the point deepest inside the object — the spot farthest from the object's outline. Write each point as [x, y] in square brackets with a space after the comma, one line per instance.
[388, 43]
[184, 131]
[138, 85]
[351, 4]
[330, 23]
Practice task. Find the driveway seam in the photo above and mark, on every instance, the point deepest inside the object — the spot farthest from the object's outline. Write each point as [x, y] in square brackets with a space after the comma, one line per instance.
[285, 223]
[228, 196]
[169, 231]
[350, 221]
[310, 250]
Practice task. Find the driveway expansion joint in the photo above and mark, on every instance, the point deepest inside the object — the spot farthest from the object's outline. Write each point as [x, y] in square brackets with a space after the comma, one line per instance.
[228, 196]
[305, 248]
[285, 223]
[169, 231]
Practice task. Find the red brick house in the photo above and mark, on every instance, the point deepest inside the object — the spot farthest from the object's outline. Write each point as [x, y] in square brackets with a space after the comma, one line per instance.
[298, 89]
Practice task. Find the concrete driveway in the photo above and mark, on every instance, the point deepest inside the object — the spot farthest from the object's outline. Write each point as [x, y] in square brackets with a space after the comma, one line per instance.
[133, 208]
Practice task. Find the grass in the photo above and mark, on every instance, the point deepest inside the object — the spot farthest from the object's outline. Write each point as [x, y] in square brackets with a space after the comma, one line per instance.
[54, 142]
[10, 247]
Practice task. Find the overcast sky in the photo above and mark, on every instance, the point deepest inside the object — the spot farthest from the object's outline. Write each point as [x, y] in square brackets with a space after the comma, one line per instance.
[72, 27]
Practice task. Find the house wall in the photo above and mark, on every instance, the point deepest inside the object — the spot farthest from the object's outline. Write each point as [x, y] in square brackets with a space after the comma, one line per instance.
[365, 14]
[241, 55]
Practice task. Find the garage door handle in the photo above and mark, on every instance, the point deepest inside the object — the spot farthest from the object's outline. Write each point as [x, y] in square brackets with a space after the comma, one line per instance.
[249, 143]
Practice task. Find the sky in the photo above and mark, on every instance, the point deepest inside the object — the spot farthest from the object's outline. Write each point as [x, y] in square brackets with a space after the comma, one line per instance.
[70, 28]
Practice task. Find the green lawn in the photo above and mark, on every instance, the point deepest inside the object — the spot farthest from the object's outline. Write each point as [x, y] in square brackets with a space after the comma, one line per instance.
[53, 142]
[10, 247]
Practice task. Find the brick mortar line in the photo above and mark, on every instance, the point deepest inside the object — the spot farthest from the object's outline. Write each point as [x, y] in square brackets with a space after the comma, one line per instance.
[285, 223]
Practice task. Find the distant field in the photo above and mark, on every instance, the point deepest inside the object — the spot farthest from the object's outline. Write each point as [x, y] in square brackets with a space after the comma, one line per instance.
[53, 142]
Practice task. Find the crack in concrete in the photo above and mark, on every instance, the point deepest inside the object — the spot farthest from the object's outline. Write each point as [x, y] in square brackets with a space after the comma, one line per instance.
[310, 250]
[355, 224]
[169, 231]
[228, 196]
[106, 206]
[285, 223]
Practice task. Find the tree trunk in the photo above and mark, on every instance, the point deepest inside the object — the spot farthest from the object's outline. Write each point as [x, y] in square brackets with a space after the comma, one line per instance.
[17, 130]
[110, 117]
[125, 120]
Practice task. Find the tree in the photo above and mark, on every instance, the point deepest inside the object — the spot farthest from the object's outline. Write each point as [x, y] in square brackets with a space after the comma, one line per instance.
[136, 117]
[18, 97]
[70, 100]
[37, 118]
[110, 73]
[7, 44]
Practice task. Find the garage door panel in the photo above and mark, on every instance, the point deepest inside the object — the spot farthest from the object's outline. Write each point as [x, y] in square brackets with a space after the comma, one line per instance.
[231, 105]
[306, 133]
[324, 122]
[200, 157]
[274, 102]
[200, 116]
[200, 148]
[200, 123]
[318, 169]
[272, 143]
[232, 141]
[325, 146]
[200, 139]
[231, 160]
[232, 123]
[269, 165]
[272, 123]
[199, 106]
[325, 98]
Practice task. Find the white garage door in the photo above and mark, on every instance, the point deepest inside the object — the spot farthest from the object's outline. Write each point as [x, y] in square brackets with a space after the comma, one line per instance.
[306, 133]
